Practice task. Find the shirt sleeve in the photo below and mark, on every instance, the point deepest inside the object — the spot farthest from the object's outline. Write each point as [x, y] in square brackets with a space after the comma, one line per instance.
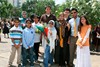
[79, 36]
[24, 40]
[54, 37]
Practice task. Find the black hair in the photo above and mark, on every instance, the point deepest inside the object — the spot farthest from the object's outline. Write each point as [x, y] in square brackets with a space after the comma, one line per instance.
[74, 9]
[80, 25]
[28, 20]
[16, 19]
[48, 6]
[67, 9]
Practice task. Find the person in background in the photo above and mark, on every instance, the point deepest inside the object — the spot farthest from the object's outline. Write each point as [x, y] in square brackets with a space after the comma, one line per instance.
[6, 28]
[37, 35]
[49, 50]
[67, 34]
[45, 18]
[16, 39]
[28, 44]
[97, 37]
[83, 50]
[0, 30]
[23, 19]
[74, 22]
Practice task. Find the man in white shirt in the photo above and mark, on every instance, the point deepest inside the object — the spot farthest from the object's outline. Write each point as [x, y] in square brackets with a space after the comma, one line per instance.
[74, 22]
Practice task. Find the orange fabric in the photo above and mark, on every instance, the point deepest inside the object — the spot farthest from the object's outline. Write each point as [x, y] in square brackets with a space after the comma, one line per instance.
[61, 39]
[83, 33]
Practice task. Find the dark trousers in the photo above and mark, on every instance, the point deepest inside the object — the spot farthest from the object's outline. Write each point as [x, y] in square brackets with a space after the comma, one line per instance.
[66, 52]
[61, 57]
[57, 51]
[36, 49]
[28, 52]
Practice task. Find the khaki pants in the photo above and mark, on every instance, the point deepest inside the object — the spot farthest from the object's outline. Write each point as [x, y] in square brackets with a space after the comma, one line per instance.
[13, 53]
[72, 48]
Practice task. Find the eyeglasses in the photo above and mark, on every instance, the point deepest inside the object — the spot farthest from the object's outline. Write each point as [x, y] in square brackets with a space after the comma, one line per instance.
[73, 12]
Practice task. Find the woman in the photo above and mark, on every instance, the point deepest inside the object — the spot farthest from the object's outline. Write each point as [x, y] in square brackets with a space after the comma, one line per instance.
[59, 48]
[83, 52]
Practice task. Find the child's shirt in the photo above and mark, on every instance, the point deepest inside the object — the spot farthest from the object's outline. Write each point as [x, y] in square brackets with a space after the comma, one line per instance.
[16, 34]
[28, 37]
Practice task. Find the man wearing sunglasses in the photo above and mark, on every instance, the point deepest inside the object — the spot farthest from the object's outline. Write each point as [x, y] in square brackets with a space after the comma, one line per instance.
[74, 22]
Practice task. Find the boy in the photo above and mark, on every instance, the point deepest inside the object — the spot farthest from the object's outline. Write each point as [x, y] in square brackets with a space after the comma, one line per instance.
[16, 39]
[28, 43]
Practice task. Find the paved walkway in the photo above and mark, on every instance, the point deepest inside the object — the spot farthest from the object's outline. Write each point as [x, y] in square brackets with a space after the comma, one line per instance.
[5, 53]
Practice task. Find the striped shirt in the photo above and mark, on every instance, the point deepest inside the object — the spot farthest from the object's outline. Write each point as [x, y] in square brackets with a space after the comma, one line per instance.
[16, 34]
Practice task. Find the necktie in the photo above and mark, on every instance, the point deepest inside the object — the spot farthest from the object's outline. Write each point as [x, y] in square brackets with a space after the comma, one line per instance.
[75, 28]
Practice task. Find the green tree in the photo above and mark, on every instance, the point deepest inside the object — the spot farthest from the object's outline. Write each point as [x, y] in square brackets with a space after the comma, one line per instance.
[38, 7]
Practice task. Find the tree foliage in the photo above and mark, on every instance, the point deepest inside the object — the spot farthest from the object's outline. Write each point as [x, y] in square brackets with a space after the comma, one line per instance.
[90, 8]
[38, 7]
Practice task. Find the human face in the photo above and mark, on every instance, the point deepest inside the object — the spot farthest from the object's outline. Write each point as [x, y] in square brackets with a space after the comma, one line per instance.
[51, 24]
[66, 13]
[28, 24]
[61, 17]
[16, 23]
[83, 21]
[36, 19]
[74, 14]
[48, 10]
[24, 15]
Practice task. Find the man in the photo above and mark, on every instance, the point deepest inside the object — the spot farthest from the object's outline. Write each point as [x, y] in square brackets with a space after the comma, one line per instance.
[45, 18]
[74, 22]
[67, 34]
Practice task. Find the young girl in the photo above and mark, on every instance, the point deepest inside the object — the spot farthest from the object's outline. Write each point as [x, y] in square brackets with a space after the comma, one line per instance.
[83, 52]
[48, 55]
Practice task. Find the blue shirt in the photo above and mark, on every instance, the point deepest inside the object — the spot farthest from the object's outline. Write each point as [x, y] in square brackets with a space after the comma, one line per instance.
[71, 22]
[28, 37]
[16, 34]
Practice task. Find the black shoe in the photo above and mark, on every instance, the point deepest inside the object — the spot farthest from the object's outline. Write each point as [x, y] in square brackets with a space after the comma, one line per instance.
[19, 65]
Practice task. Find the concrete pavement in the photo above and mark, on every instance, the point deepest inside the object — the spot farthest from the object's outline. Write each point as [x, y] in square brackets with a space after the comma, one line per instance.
[5, 48]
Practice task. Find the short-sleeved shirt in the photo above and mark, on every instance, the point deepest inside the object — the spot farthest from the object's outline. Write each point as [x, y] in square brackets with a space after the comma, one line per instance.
[16, 34]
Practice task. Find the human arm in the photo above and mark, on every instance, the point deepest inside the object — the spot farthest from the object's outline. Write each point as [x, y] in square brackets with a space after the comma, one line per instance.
[24, 43]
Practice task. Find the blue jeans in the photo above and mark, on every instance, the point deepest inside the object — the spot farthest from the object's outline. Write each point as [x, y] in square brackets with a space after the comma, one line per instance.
[28, 52]
[48, 57]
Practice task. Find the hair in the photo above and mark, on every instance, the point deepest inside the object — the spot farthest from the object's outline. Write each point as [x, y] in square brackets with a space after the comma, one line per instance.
[74, 9]
[36, 16]
[24, 12]
[48, 6]
[67, 9]
[80, 25]
[28, 20]
[16, 19]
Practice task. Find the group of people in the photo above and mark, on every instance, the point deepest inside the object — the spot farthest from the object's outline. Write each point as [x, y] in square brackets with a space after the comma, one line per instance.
[64, 37]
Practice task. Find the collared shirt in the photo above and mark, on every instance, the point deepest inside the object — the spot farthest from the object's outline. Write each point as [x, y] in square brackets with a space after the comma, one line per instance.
[37, 35]
[28, 37]
[71, 22]
[16, 34]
